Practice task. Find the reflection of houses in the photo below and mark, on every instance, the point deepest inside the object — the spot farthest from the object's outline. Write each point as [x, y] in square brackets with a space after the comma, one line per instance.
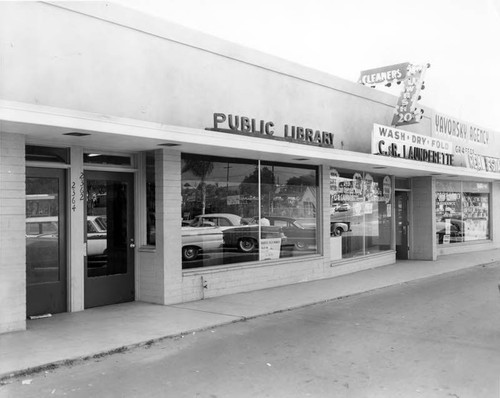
[297, 203]
[307, 202]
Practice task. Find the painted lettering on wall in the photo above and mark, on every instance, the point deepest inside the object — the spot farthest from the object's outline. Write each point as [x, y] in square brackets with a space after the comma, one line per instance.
[447, 126]
[474, 147]
[81, 187]
[73, 196]
[483, 163]
[257, 127]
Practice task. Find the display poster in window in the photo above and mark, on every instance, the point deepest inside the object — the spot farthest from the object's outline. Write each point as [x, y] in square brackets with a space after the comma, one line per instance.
[447, 227]
[334, 181]
[358, 183]
[357, 208]
[387, 189]
[270, 249]
[476, 229]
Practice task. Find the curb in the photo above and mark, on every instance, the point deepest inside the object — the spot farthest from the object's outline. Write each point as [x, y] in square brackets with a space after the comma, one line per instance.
[5, 378]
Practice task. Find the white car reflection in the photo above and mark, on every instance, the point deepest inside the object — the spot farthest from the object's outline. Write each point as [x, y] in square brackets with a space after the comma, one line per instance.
[196, 240]
[96, 235]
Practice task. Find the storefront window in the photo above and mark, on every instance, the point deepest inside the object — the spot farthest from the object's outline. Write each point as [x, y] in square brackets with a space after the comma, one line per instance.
[462, 211]
[236, 211]
[360, 213]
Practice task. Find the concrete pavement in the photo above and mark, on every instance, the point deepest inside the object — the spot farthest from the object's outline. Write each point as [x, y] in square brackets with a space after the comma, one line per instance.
[70, 337]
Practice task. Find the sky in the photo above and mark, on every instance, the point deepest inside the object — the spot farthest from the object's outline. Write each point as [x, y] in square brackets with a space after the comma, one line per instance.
[458, 38]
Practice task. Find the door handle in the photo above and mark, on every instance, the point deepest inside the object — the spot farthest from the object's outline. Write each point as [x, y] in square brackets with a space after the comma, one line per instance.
[132, 244]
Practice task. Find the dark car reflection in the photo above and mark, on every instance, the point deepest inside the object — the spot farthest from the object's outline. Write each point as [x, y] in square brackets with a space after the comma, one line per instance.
[42, 249]
[450, 226]
[201, 235]
[297, 235]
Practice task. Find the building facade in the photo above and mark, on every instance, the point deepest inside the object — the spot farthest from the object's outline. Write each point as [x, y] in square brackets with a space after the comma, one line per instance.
[140, 160]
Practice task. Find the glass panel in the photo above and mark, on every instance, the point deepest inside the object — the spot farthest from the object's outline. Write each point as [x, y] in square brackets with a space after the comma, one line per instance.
[106, 227]
[47, 154]
[42, 230]
[462, 211]
[377, 211]
[289, 198]
[219, 201]
[360, 213]
[100, 158]
[402, 183]
[347, 211]
[221, 208]
[476, 216]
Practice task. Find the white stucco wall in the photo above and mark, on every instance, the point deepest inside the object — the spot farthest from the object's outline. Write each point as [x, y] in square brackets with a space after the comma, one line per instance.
[156, 71]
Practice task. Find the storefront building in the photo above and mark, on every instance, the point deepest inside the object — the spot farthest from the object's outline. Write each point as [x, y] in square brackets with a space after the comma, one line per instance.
[144, 161]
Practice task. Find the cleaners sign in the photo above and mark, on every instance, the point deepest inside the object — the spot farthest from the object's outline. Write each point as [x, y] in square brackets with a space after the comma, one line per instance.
[384, 75]
[389, 141]
[412, 77]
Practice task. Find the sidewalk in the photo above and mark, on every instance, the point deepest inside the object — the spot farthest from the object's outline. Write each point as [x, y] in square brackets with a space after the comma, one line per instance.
[69, 337]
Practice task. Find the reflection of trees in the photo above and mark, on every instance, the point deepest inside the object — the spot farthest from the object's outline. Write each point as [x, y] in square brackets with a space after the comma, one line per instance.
[249, 185]
[42, 196]
[307, 180]
[239, 195]
[200, 169]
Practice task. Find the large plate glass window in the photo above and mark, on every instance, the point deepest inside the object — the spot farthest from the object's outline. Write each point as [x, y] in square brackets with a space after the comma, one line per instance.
[237, 210]
[360, 213]
[462, 211]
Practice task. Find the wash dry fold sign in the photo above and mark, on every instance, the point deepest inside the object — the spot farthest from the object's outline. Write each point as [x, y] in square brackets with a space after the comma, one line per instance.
[389, 141]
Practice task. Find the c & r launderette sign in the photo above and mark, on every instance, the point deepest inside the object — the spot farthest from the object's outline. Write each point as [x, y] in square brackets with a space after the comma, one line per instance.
[389, 141]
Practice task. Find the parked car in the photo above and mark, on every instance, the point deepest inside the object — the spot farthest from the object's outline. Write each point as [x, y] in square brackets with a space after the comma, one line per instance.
[42, 244]
[296, 234]
[456, 229]
[337, 228]
[221, 220]
[197, 240]
[343, 207]
[245, 238]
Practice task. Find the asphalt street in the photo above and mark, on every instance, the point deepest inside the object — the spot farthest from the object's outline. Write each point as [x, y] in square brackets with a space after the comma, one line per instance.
[437, 337]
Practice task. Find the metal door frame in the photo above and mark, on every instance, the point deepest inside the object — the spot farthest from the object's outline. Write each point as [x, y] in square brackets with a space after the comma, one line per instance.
[121, 284]
[36, 293]
[407, 193]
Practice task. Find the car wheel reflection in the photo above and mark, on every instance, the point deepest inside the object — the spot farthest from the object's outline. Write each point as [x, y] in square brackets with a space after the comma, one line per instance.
[247, 245]
[189, 253]
[301, 245]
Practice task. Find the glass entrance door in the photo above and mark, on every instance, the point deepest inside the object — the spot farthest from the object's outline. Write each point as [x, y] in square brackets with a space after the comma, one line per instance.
[402, 225]
[46, 262]
[109, 270]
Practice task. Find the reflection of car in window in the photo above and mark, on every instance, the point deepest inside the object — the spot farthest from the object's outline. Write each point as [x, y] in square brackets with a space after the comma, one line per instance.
[96, 235]
[221, 220]
[296, 234]
[209, 231]
[42, 242]
[343, 207]
[337, 228]
[450, 226]
[202, 239]
[245, 237]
